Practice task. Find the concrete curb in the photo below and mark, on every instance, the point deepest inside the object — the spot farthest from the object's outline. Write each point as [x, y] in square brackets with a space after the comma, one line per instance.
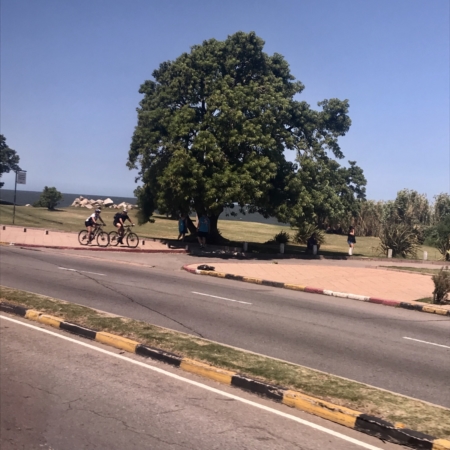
[97, 249]
[312, 290]
[356, 420]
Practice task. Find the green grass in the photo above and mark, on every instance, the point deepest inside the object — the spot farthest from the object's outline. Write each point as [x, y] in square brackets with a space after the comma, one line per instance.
[425, 271]
[72, 219]
[393, 407]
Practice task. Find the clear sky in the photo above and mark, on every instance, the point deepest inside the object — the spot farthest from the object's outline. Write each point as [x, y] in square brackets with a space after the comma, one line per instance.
[71, 71]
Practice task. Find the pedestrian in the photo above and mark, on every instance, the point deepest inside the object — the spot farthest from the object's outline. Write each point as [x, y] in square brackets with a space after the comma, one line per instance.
[312, 241]
[182, 227]
[351, 240]
[202, 230]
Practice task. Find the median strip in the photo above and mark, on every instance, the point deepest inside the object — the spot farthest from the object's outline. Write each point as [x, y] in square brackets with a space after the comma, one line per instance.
[362, 407]
[314, 290]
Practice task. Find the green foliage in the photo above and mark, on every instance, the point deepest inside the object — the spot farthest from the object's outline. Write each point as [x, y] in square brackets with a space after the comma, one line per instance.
[213, 127]
[400, 237]
[9, 159]
[441, 207]
[441, 286]
[282, 237]
[49, 199]
[304, 233]
[439, 236]
[369, 218]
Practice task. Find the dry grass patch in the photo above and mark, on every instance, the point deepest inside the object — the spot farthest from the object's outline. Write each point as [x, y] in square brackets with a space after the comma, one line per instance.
[393, 407]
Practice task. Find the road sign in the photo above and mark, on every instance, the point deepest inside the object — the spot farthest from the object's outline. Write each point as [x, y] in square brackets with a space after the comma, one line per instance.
[21, 178]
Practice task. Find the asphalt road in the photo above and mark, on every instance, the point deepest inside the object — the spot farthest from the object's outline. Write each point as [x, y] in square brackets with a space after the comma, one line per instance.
[61, 392]
[361, 341]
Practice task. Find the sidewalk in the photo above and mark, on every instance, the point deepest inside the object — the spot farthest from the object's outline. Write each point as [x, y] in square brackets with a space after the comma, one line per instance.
[38, 237]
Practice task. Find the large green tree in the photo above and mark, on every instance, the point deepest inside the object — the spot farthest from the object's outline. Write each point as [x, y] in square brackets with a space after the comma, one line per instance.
[213, 128]
[9, 159]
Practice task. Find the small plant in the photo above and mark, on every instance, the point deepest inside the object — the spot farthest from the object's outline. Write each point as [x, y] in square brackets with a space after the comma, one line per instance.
[305, 232]
[282, 237]
[399, 237]
[441, 286]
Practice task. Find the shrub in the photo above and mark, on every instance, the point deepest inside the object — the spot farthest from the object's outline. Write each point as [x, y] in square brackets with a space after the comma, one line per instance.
[305, 232]
[441, 286]
[439, 236]
[280, 238]
[50, 198]
[399, 237]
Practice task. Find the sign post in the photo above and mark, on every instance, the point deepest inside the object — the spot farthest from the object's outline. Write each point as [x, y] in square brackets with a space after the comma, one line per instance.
[21, 178]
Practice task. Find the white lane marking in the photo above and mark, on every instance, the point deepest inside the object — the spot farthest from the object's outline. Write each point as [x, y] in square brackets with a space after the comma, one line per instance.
[222, 298]
[425, 342]
[200, 385]
[82, 271]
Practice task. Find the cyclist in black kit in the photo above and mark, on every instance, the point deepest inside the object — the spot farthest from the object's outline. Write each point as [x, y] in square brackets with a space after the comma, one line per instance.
[119, 220]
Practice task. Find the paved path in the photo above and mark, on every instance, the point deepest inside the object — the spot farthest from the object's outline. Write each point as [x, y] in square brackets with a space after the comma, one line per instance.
[60, 239]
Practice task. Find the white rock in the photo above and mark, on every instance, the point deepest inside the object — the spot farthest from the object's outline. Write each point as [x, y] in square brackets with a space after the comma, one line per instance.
[108, 202]
[88, 206]
[84, 202]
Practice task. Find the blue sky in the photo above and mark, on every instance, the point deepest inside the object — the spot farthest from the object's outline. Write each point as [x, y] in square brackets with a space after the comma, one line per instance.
[71, 70]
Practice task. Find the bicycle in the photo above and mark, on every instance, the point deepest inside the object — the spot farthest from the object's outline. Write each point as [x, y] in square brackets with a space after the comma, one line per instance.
[102, 237]
[132, 239]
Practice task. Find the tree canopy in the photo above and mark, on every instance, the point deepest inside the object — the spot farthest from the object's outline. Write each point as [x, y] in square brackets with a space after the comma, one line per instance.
[9, 159]
[213, 128]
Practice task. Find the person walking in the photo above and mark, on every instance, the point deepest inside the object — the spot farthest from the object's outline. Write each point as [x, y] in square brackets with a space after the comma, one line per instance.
[351, 240]
[182, 227]
[202, 230]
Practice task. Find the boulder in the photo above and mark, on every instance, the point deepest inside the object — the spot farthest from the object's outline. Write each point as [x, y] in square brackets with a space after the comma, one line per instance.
[88, 206]
[108, 202]
[84, 202]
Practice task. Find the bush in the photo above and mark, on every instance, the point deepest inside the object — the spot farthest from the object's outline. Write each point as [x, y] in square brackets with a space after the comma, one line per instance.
[280, 238]
[399, 237]
[305, 232]
[49, 199]
[441, 286]
[439, 236]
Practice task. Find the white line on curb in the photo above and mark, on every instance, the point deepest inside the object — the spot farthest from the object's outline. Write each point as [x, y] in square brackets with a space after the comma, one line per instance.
[425, 342]
[200, 385]
[222, 298]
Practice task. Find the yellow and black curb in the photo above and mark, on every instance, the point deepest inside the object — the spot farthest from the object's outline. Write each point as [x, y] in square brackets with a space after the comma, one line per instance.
[313, 290]
[374, 426]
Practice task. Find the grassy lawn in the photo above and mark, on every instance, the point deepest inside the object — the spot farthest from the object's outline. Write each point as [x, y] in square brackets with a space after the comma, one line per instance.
[72, 219]
[415, 269]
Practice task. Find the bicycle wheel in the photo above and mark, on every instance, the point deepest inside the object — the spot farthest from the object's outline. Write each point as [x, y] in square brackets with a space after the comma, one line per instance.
[83, 237]
[113, 238]
[103, 239]
[132, 240]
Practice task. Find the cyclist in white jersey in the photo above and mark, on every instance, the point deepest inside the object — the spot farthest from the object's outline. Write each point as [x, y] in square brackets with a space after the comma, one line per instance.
[91, 222]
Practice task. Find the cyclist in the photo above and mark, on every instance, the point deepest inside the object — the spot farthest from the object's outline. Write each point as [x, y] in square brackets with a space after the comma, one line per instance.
[91, 222]
[119, 220]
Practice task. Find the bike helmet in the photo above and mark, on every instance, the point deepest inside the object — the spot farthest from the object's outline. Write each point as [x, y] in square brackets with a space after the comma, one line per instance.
[98, 210]
[125, 210]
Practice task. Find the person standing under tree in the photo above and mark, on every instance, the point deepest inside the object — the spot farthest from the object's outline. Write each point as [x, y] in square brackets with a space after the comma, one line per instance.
[182, 227]
[351, 240]
[202, 230]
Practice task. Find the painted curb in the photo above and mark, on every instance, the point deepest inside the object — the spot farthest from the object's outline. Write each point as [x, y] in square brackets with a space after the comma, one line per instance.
[356, 420]
[432, 309]
[98, 249]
